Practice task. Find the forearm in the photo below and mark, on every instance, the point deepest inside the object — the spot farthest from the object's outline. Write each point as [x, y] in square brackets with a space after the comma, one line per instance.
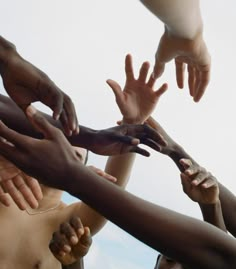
[182, 18]
[212, 213]
[15, 119]
[5, 48]
[119, 166]
[228, 203]
[160, 228]
[77, 265]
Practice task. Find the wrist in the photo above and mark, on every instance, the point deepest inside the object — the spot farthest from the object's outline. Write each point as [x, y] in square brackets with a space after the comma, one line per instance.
[213, 205]
[131, 121]
[6, 49]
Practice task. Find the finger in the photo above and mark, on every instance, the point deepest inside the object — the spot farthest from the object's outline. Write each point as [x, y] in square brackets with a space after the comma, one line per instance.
[103, 174]
[209, 182]
[140, 151]
[180, 68]
[40, 123]
[185, 181]
[186, 163]
[9, 173]
[60, 242]
[65, 124]
[13, 137]
[86, 238]
[4, 198]
[202, 85]
[126, 139]
[55, 101]
[56, 250]
[201, 177]
[129, 67]
[143, 72]
[4, 164]
[151, 81]
[191, 80]
[154, 135]
[161, 90]
[25, 191]
[116, 90]
[68, 231]
[10, 188]
[71, 113]
[77, 225]
[152, 144]
[158, 69]
[34, 186]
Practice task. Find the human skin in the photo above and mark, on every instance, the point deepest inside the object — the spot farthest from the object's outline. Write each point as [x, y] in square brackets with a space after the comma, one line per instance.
[158, 227]
[183, 42]
[25, 84]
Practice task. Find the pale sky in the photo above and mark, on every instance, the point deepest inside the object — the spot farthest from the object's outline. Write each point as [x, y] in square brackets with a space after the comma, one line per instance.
[80, 44]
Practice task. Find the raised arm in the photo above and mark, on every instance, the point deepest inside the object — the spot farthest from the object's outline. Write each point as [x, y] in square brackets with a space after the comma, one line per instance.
[136, 102]
[26, 84]
[160, 228]
[111, 141]
[202, 187]
[183, 41]
[176, 153]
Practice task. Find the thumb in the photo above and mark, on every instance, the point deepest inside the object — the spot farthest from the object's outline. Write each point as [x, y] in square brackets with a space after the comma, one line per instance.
[158, 69]
[116, 90]
[39, 123]
[185, 182]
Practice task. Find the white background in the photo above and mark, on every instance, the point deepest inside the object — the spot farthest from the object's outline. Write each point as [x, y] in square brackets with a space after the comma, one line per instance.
[80, 44]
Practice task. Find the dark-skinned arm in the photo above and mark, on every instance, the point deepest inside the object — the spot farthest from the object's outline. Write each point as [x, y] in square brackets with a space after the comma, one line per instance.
[112, 141]
[164, 230]
[211, 212]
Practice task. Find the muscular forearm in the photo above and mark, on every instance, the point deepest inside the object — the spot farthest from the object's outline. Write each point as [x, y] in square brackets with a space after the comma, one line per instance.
[158, 227]
[182, 18]
[15, 119]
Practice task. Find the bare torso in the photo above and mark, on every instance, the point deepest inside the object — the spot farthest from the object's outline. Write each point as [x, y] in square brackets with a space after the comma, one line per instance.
[25, 238]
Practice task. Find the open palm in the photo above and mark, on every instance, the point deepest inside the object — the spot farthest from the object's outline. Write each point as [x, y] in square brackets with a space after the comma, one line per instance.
[138, 98]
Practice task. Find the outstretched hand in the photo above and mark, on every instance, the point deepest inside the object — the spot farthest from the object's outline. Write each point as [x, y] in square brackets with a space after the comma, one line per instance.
[26, 84]
[192, 53]
[138, 99]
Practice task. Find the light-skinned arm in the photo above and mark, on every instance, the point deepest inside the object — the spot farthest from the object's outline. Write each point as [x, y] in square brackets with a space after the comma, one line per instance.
[136, 102]
[182, 41]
